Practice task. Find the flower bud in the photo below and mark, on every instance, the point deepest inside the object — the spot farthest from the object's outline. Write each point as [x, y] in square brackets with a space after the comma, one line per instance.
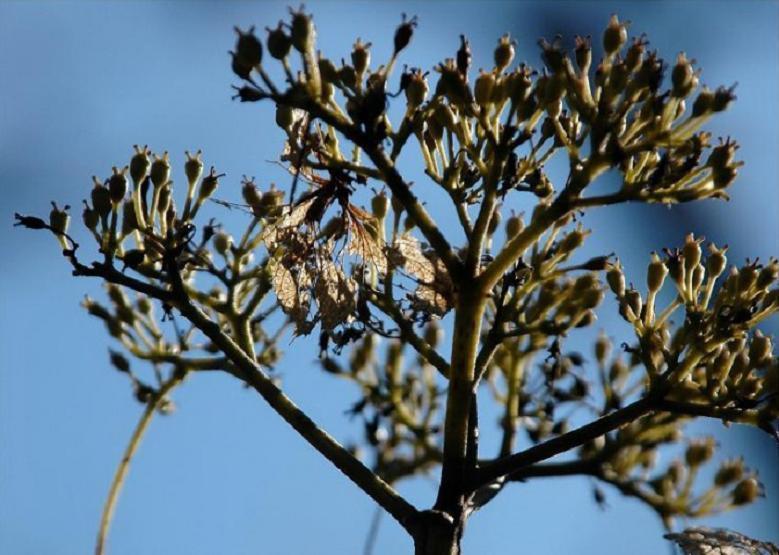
[615, 35]
[117, 185]
[279, 43]
[302, 31]
[160, 170]
[193, 168]
[504, 52]
[139, 165]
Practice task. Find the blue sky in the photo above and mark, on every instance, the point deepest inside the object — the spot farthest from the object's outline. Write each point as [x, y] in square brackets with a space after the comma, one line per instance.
[82, 82]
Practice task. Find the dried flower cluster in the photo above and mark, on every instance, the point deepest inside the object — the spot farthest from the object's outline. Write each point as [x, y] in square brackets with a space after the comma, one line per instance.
[360, 275]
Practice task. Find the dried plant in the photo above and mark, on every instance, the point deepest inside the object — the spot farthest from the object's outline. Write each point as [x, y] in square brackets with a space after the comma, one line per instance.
[377, 281]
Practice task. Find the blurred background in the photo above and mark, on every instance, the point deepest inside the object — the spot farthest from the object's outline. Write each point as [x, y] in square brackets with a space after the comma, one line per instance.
[83, 81]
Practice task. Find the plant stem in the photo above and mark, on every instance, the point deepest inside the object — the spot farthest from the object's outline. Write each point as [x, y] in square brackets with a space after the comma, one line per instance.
[124, 465]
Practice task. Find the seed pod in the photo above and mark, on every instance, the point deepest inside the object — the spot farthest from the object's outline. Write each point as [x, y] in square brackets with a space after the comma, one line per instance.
[703, 103]
[729, 472]
[403, 33]
[164, 200]
[248, 48]
[433, 334]
[139, 165]
[573, 240]
[209, 184]
[691, 252]
[129, 221]
[380, 205]
[768, 275]
[583, 53]
[464, 56]
[699, 451]
[747, 277]
[760, 350]
[279, 43]
[117, 185]
[222, 242]
[160, 170]
[633, 301]
[482, 90]
[683, 78]
[591, 298]
[193, 167]
[284, 117]
[494, 222]
[90, 217]
[722, 155]
[251, 195]
[101, 199]
[616, 279]
[722, 98]
[240, 69]
[615, 35]
[602, 348]
[59, 220]
[635, 54]
[416, 89]
[361, 56]
[716, 261]
[514, 226]
[746, 491]
[302, 31]
[504, 52]
[327, 70]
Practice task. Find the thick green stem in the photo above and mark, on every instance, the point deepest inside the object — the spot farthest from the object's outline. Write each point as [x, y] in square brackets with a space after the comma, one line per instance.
[467, 332]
